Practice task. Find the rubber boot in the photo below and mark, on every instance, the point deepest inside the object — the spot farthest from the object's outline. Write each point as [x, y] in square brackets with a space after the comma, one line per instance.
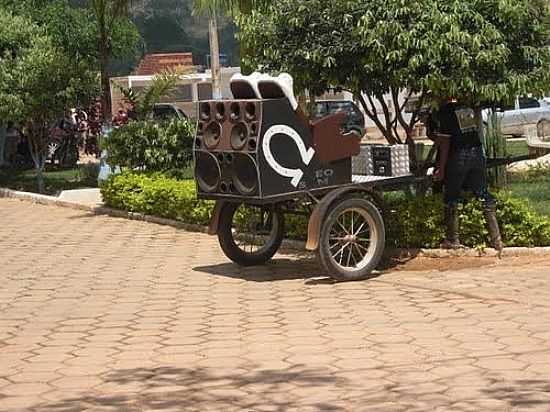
[494, 231]
[451, 229]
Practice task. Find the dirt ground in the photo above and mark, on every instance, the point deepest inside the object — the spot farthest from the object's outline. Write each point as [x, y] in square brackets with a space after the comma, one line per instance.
[458, 263]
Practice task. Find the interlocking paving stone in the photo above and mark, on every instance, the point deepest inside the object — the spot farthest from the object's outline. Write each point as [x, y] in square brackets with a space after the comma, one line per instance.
[106, 314]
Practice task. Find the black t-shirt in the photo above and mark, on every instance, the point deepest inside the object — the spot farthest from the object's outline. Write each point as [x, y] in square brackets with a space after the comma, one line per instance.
[457, 121]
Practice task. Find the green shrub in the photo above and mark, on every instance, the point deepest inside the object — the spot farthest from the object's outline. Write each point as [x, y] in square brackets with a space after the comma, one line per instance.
[156, 195]
[418, 222]
[410, 222]
[157, 147]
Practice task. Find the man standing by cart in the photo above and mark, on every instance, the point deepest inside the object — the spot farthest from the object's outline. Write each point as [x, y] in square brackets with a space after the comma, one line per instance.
[461, 166]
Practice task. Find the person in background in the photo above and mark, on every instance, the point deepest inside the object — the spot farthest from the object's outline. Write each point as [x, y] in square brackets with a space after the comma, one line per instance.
[461, 167]
[121, 118]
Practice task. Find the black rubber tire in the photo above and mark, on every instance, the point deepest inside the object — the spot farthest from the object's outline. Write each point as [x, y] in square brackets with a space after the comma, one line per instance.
[234, 252]
[377, 235]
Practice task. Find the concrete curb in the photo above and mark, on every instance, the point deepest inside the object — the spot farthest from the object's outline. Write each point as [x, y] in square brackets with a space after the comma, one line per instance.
[292, 245]
[98, 210]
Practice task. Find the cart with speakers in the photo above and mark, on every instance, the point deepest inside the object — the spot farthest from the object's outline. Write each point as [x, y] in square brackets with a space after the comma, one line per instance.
[262, 159]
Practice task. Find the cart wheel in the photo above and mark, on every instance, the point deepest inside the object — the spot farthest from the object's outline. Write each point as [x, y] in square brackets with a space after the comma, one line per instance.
[352, 239]
[53, 147]
[250, 235]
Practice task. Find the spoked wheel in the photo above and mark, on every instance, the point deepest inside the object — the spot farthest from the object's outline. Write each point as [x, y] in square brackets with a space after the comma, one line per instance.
[352, 239]
[250, 235]
[53, 147]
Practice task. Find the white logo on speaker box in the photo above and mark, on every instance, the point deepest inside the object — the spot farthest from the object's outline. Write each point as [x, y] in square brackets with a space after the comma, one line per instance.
[306, 154]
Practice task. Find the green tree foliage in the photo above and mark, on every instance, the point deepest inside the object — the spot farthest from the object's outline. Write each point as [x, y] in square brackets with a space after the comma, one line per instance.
[172, 26]
[71, 26]
[234, 8]
[38, 81]
[68, 27]
[479, 51]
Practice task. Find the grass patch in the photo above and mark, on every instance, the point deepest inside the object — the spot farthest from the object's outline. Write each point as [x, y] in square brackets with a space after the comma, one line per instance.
[513, 148]
[517, 148]
[533, 185]
[55, 179]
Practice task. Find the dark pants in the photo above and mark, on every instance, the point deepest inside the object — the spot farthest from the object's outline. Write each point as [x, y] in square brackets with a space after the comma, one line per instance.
[466, 171]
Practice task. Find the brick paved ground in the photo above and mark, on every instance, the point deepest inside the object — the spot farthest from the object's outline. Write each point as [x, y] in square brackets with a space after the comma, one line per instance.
[98, 313]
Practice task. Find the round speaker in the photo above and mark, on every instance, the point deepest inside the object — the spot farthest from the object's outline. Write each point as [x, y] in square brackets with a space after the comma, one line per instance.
[220, 111]
[252, 145]
[239, 136]
[205, 111]
[235, 112]
[250, 110]
[212, 135]
[254, 129]
[207, 172]
[245, 176]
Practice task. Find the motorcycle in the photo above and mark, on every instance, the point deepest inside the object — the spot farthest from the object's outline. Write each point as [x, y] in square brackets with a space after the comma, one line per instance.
[63, 147]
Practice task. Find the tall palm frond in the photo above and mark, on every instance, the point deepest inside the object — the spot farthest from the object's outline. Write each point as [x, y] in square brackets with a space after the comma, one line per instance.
[106, 13]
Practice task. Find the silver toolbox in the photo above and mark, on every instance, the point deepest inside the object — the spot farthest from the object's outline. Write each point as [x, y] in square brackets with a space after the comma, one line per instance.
[382, 160]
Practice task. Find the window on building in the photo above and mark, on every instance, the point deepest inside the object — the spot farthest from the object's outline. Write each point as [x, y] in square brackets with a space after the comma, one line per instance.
[182, 93]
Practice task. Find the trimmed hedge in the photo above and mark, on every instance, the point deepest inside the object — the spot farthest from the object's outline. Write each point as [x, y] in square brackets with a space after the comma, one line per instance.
[156, 195]
[410, 222]
[419, 222]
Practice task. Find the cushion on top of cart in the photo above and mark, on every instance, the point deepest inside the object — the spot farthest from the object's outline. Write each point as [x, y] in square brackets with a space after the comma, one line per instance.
[277, 88]
[245, 87]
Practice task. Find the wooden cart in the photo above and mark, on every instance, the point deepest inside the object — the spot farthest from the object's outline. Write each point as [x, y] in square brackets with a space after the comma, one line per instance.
[346, 227]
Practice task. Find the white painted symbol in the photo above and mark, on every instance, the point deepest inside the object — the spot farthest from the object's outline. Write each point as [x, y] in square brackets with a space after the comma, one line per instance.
[307, 155]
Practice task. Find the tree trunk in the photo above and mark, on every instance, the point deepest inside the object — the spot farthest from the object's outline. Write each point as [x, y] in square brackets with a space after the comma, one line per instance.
[3, 130]
[38, 139]
[215, 57]
[40, 177]
[105, 85]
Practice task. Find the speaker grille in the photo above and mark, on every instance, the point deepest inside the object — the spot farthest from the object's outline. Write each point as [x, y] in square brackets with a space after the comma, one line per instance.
[235, 111]
[205, 112]
[220, 112]
[207, 172]
[239, 136]
[212, 135]
[250, 111]
[245, 174]
[228, 135]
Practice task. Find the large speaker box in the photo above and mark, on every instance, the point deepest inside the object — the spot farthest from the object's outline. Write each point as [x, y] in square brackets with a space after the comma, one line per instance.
[258, 149]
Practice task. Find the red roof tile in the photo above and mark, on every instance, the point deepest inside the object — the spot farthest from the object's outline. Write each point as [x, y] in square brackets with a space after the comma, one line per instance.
[159, 62]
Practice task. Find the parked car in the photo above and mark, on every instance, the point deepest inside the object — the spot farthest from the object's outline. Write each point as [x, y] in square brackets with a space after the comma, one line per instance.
[527, 111]
[355, 120]
[167, 111]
